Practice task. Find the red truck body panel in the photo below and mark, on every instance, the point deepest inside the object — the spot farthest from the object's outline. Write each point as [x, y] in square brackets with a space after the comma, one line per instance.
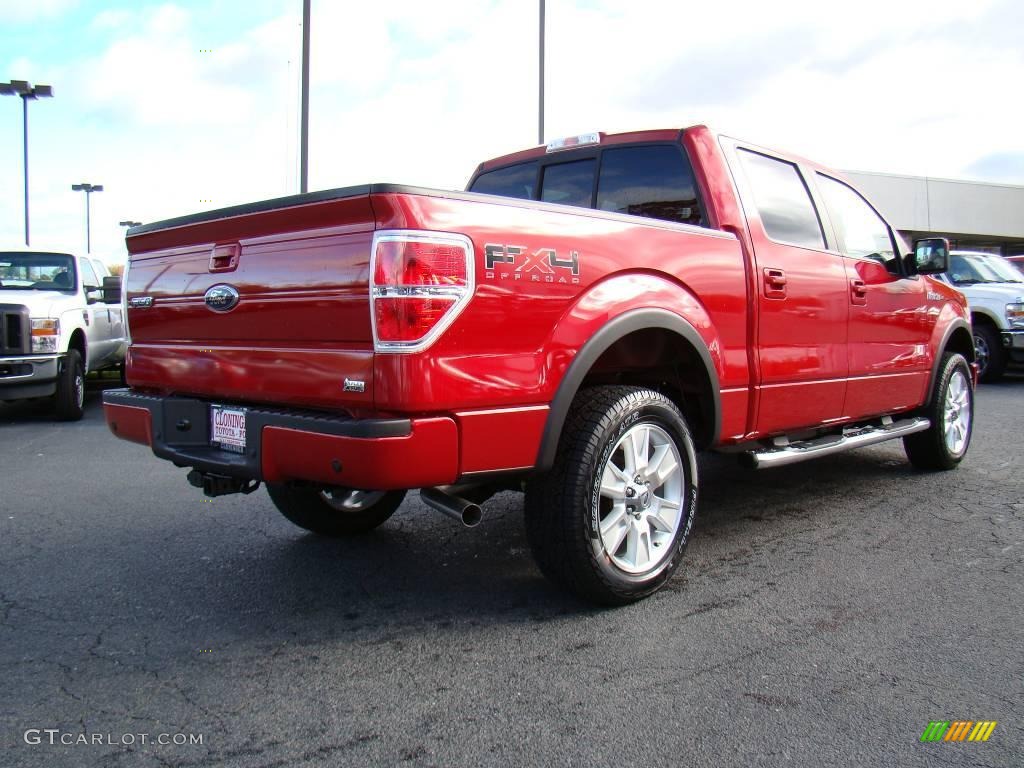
[479, 399]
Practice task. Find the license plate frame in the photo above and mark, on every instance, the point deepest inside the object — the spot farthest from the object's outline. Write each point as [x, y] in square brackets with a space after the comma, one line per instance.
[227, 428]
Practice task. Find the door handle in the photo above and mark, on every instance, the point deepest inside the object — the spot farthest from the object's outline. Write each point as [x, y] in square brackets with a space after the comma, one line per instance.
[224, 258]
[858, 292]
[774, 283]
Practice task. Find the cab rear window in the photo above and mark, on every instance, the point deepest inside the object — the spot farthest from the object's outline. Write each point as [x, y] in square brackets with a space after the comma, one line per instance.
[569, 183]
[511, 181]
[651, 180]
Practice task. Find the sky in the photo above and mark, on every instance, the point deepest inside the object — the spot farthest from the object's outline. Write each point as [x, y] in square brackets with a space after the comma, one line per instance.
[177, 107]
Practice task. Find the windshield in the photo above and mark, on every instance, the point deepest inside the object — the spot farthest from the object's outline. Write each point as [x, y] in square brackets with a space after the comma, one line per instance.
[37, 272]
[978, 268]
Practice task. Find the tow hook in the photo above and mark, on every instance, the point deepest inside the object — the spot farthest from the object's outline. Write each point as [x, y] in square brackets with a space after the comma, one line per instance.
[220, 485]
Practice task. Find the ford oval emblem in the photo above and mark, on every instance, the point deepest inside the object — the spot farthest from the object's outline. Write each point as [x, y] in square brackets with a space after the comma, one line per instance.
[221, 298]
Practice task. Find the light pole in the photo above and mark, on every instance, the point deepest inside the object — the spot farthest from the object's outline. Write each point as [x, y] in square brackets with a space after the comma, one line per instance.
[304, 128]
[27, 92]
[540, 87]
[88, 189]
[129, 224]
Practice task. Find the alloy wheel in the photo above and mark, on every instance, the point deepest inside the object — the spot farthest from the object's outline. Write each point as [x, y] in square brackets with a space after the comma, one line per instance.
[956, 419]
[641, 498]
[350, 499]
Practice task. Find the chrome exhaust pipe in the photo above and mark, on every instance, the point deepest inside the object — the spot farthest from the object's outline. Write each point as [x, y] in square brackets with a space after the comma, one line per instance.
[468, 513]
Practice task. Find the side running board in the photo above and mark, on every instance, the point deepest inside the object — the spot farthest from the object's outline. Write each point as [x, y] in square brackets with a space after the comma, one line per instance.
[784, 452]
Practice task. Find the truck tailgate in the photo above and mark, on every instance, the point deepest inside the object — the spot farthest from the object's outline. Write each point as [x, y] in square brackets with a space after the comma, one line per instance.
[300, 325]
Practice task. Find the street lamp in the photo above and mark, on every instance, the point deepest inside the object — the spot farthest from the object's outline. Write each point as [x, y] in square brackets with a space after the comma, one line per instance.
[540, 83]
[88, 189]
[27, 92]
[304, 107]
[129, 224]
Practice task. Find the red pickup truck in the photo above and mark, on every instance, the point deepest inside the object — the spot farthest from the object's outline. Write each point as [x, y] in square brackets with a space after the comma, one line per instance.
[577, 325]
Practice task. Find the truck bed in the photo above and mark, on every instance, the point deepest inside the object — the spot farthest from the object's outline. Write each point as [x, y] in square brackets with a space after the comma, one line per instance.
[302, 276]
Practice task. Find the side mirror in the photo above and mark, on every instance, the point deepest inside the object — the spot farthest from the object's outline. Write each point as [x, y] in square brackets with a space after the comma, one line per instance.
[112, 289]
[931, 256]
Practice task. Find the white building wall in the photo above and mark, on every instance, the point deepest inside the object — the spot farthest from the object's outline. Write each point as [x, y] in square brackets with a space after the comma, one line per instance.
[919, 204]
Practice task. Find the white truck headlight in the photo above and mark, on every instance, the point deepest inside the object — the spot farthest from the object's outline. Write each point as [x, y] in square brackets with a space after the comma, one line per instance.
[1015, 313]
[45, 333]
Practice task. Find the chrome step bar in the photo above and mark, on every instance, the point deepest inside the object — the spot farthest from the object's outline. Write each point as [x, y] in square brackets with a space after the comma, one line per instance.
[785, 452]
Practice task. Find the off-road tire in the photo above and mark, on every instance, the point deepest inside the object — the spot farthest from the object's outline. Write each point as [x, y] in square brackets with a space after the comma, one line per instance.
[929, 450]
[306, 507]
[562, 526]
[69, 401]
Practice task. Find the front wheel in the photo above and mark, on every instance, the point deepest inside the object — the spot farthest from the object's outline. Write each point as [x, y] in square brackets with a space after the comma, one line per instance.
[951, 412]
[70, 397]
[611, 520]
[334, 511]
[989, 353]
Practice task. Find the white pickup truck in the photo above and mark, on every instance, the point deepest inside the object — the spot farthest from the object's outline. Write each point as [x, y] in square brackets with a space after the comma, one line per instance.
[60, 318]
[995, 292]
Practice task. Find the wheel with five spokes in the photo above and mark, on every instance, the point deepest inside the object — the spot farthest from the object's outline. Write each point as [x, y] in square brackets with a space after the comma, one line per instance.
[611, 520]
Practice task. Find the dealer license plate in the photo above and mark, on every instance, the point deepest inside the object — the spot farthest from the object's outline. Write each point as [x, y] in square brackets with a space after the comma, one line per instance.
[227, 428]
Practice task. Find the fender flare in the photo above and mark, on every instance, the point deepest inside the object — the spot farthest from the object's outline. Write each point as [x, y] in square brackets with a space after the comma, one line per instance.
[80, 331]
[984, 311]
[946, 336]
[615, 329]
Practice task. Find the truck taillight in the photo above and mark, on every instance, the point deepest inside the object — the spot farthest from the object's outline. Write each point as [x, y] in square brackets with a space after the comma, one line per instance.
[420, 282]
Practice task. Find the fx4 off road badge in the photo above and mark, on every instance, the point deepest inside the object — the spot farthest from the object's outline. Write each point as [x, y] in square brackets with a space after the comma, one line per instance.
[514, 262]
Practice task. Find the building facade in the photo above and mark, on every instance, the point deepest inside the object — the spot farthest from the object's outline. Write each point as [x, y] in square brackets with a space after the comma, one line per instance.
[975, 216]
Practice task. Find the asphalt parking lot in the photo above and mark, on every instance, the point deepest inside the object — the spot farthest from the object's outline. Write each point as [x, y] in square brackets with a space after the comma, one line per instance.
[825, 614]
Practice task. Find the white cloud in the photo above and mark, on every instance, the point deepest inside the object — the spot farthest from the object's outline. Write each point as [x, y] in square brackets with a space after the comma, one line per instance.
[22, 12]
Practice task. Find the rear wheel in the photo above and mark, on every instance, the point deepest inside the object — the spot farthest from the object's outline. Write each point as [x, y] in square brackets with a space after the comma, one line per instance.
[70, 397]
[989, 353]
[610, 521]
[334, 511]
[944, 444]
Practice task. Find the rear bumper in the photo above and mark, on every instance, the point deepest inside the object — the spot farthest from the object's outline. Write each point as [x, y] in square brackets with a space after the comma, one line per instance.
[283, 445]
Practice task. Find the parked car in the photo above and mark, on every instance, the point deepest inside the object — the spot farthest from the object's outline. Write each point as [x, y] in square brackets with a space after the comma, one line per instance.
[995, 292]
[578, 324]
[1017, 261]
[59, 320]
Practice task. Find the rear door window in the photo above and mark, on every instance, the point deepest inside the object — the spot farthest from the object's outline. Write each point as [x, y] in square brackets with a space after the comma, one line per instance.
[653, 181]
[569, 183]
[782, 201]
